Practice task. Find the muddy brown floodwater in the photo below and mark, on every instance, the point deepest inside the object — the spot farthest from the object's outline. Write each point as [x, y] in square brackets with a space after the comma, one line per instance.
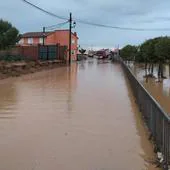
[78, 118]
[160, 91]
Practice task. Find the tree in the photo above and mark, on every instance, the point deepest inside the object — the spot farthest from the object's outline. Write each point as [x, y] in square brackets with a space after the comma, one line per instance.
[9, 35]
[128, 52]
[82, 51]
[152, 51]
[139, 57]
[147, 50]
[162, 51]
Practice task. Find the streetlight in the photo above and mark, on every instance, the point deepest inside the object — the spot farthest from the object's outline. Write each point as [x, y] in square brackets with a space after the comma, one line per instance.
[74, 24]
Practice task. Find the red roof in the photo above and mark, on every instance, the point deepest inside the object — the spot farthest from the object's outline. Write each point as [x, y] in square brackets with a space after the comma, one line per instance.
[35, 34]
[40, 34]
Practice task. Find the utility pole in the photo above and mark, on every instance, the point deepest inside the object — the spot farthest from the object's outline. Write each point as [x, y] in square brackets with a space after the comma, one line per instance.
[43, 36]
[70, 21]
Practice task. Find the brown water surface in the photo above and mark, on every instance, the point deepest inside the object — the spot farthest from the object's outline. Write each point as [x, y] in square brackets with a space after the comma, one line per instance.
[78, 118]
[160, 91]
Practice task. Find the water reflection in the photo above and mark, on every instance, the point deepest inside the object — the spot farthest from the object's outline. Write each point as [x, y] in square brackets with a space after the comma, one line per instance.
[8, 99]
[82, 65]
[72, 84]
[103, 61]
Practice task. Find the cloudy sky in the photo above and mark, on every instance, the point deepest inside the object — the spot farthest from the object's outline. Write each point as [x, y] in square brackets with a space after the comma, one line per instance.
[123, 13]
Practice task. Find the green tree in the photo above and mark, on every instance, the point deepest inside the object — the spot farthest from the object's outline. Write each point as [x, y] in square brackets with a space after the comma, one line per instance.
[128, 53]
[162, 51]
[139, 58]
[9, 35]
[147, 51]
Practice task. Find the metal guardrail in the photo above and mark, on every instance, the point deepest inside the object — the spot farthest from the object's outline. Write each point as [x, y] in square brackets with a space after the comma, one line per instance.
[157, 121]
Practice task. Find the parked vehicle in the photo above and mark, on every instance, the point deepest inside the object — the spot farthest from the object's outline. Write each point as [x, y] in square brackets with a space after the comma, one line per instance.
[91, 53]
[103, 54]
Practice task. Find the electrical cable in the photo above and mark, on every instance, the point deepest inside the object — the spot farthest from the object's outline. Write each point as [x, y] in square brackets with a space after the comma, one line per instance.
[96, 24]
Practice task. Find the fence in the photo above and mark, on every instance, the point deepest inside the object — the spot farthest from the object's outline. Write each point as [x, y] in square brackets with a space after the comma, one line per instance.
[48, 52]
[35, 52]
[29, 52]
[157, 121]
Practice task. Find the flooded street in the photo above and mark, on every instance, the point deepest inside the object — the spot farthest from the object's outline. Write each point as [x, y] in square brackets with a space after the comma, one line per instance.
[160, 91]
[78, 118]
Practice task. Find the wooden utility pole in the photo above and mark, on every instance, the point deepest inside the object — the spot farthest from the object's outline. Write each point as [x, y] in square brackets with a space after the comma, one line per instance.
[70, 21]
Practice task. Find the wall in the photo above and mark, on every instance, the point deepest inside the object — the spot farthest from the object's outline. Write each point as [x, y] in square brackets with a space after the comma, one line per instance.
[62, 37]
[30, 52]
[50, 40]
[35, 41]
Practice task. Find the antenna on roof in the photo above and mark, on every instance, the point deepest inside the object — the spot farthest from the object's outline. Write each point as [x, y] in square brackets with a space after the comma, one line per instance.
[43, 36]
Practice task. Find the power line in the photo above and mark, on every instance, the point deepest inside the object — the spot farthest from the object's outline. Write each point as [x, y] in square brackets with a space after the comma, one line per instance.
[121, 28]
[45, 11]
[52, 27]
[96, 24]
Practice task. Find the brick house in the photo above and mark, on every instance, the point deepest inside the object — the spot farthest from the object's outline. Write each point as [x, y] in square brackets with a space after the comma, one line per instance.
[50, 38]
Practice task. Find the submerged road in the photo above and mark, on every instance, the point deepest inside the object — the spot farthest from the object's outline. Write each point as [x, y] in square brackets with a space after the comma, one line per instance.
[78, 118]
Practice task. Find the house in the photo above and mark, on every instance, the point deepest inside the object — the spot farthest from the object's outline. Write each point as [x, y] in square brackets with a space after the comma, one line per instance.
[50, 38]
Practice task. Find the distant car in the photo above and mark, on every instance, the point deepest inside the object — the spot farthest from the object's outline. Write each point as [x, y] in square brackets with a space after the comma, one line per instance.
[91, 54]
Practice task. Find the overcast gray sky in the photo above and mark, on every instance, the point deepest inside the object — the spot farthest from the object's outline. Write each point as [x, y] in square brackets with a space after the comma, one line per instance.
[124, 13]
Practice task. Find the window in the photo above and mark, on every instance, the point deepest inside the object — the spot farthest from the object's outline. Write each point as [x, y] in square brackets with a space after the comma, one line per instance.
[73, 41]
[41, 40]
[30, 40]
[21, 41]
